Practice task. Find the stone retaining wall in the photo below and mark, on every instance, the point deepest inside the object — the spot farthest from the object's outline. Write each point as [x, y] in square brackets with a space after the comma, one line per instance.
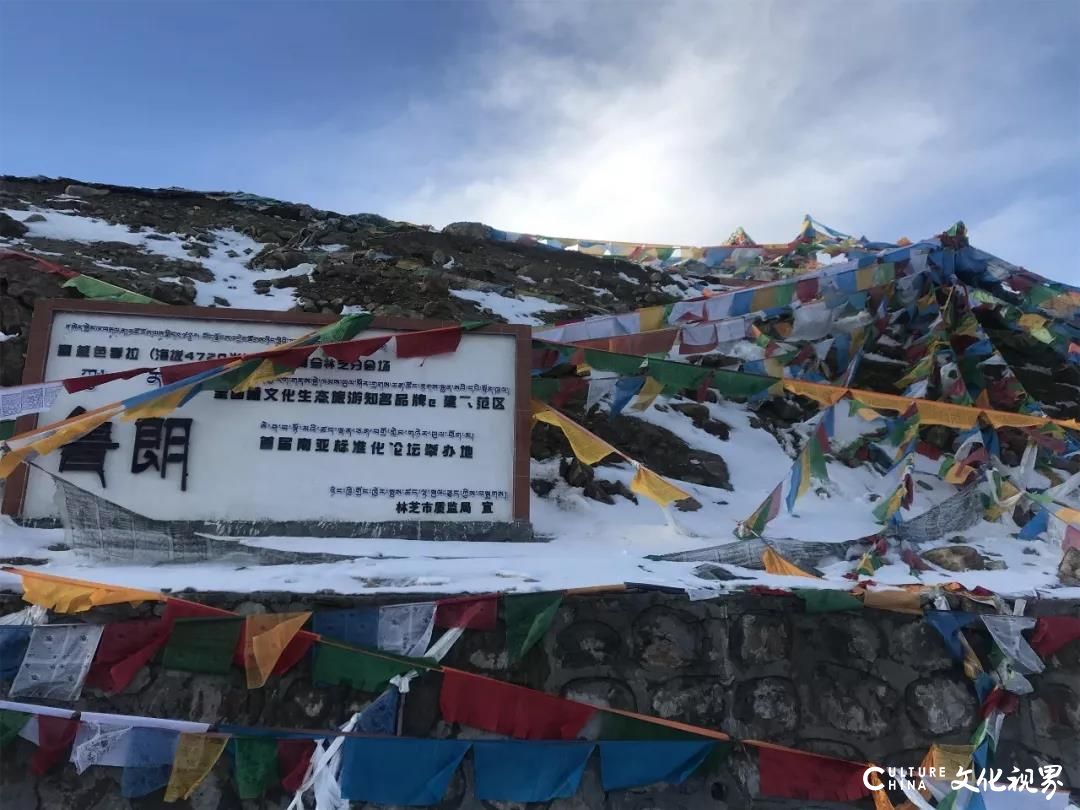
[870, 685]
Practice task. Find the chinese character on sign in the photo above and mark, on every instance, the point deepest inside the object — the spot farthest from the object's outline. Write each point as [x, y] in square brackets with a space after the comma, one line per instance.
[159, 443]
[87, 454]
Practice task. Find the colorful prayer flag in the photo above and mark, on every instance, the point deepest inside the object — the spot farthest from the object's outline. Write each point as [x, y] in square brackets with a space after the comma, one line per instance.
[754, 525]
[203, 645]
[196, 755]
[266, 635]
[528, 617]
[56, 661]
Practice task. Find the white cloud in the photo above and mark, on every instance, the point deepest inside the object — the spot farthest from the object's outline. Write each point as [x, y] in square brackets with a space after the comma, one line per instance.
[678, 122]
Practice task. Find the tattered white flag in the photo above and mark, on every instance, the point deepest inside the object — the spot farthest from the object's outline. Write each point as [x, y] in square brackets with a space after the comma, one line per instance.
[1006, 632]
[406, 629]
[100, 745]
[56, 661]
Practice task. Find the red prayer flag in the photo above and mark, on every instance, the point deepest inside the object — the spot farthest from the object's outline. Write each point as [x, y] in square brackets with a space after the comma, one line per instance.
[472, 612]
[124, 649]
[294, 652]
[1054, 632]
[797, 775]
[999, 699]
[1072, 539]
[806, 289]
[76, 384]
[503, 708]
[429, 342]
[293, 759]
[568, 386]
[765, 590]
[353, 350]
[55, 736]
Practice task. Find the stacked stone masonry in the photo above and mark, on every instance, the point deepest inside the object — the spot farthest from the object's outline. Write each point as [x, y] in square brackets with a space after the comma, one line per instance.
[869, 686]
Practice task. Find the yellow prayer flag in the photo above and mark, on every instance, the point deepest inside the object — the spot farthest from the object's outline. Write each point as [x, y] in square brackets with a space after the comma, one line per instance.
[64, 595]
[265, 372]
[889, 402]
[647, 395]
[881, 798]
[1031, 321]
[897, 601]
[1070, 516]
[951, 758]
[775, 564]
[158, 407]
[196, 755]
[1000, 419]
[656, 489]
[819, 392]
[588, 448]
[651, 318]
[71, 431]
[266, 636]
[943, 413]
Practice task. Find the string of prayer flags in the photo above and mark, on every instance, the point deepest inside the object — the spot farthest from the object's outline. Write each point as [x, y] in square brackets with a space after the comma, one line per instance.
[775, 563]
[399, 771]
[827, 601]
[471, 612]
[64, 595]
[203, 645]
[56, 661]
[528, 617]
[196, 755]
[369, 672]
[797, 775]
[540, 772]
[266, 636]
[1054, 632]
[510, 710]
[629, 764]
[754, 525]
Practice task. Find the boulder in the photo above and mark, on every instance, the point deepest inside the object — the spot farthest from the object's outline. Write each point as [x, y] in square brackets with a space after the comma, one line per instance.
[77, 190]
[11, 228]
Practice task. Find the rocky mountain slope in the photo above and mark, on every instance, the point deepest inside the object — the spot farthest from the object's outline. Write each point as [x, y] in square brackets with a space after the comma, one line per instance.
[228, 249]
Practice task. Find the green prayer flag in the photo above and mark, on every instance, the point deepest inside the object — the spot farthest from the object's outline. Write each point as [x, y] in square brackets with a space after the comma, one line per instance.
[231, 379]
[95, 288]
[359, 669]
[821, 601]
[469, 326]
[203, 645]
[737, 384]
[11, 723]
[626, 365]
[819, 468]
[544, 388]
[255, 765]
[345, 329]
[528, 617]
[676, 376]
[7, 429]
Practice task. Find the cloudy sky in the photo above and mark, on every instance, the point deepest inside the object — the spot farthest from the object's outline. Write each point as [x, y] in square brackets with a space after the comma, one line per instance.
[632, 121]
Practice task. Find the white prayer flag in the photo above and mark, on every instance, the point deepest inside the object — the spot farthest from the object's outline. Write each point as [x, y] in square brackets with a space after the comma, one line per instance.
[56, 661]
[1006, 632]
[406, 629]
[27, 399]
[100, 745]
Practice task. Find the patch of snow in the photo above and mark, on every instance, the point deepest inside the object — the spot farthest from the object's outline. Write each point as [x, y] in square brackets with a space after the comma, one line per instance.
[233, 280]
[4, 337]
[880, 358]
[513, 310]
[628, 279]
[333, 248]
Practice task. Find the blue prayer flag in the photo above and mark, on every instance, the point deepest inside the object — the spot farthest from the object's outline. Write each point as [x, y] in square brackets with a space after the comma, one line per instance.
[1036, 526]
[511, 771]
[358, 627]
[626, 388]
[13, 641]
[149, 763]
[634, 763]
[949, 625]
[399, 770]
[380, 716]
